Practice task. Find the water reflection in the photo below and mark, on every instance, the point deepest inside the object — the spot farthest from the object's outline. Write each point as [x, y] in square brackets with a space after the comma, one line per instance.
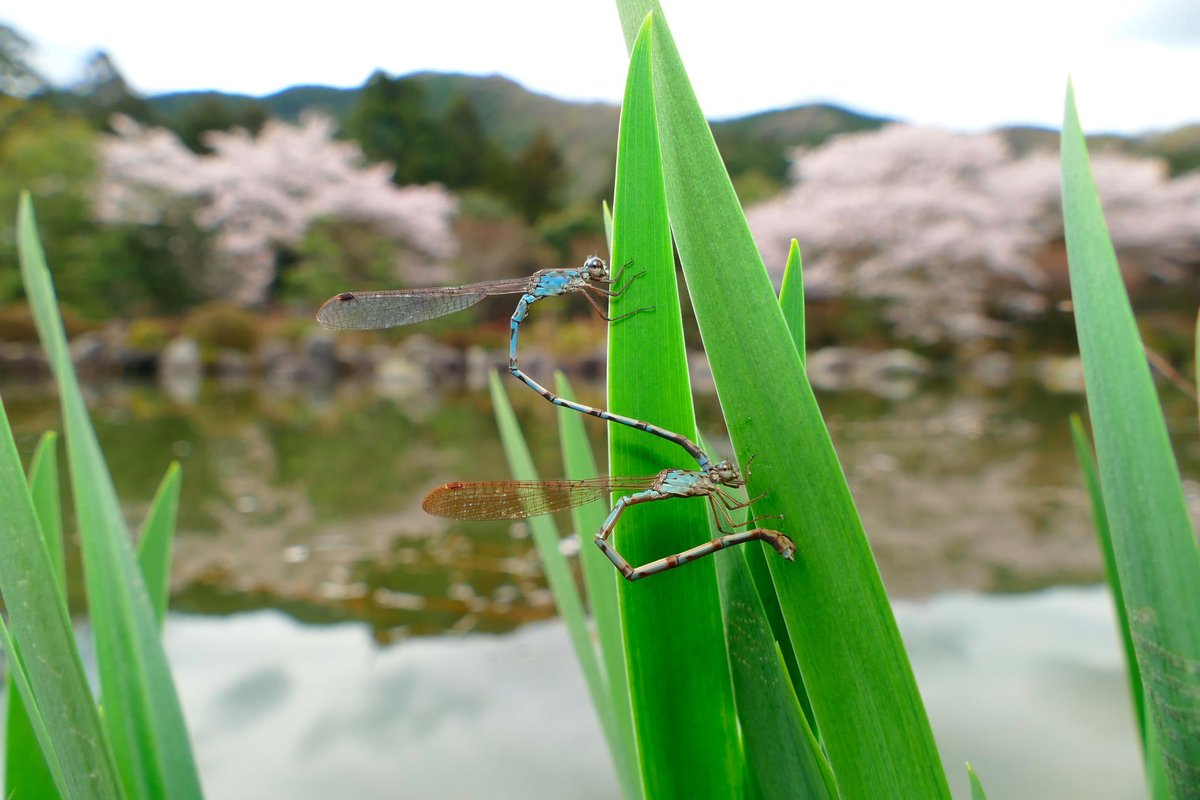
[308, 500]
[334, 716]
[1029, 688]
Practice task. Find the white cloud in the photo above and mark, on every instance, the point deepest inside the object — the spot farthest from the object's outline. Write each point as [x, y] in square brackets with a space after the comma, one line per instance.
[944, 62]
[1168, 22]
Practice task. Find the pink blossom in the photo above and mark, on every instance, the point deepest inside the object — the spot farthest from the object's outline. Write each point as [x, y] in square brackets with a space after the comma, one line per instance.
[258, 193]
[946, 228]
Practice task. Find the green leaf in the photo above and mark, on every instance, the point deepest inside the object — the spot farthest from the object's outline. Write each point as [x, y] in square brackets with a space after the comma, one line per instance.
[783, 754]
[31, 765]
[607, 224]
[791, 298]
[558, 571]
[25, 769]
[1153, 541]
[26, 773]
[154, 544]
[1091, 480]
[768, 689]
[1156, 771]
[977, 792]
[141, 709]
[791, 303]
[55, 691]
[1156, 779]
[47, 504]
[679, 677]
[600, 581]
[868, 711]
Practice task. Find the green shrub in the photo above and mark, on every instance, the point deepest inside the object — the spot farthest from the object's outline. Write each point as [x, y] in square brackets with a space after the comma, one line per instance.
[336, 254]
[147, 334]
[222, 326]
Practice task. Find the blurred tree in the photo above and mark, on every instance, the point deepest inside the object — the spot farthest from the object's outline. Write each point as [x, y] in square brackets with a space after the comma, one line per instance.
[391, 122]
[213, 113]
[101, 271]
[1180, 147]
[18, 78]
[466, 143]
[53, 156]
[149, 269]
[745, 153]
[255, 198]
[336, 253]
[538, 178]
[955, 236]
[105, 92]
[472, 159]
[566, 229]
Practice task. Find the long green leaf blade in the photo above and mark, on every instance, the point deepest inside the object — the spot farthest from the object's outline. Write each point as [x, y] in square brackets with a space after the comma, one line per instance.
[868, 710]
[781, 751]
[32, 766]
[600, 582]
[791, 303]
[1091, 481]
[791, 298]
[142, 712]
[47, 504]
[679, 677]
[766, 677]
[26, 773]
[977, 792]
[1153, 540]
[558, 571]
[1156, 771]
[1156, 779]
[25, 769]
[154, 544]
[63, 707]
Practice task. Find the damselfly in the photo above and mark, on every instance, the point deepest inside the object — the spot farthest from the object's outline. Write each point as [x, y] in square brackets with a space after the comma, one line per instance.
[520, 499]
[387, 309]
[363, 311]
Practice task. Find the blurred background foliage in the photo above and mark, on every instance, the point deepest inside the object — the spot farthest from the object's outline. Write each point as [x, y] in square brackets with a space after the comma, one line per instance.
[152, 206]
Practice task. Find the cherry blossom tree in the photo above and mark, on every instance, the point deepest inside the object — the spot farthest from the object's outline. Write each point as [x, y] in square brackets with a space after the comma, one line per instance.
[258, 194]
[950, 231]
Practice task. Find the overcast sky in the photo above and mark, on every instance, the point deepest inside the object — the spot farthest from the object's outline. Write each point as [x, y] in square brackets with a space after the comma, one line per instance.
[954, 63]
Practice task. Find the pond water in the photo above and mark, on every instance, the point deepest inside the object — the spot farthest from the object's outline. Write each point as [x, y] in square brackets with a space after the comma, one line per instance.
[322, 617]
[1029, 688]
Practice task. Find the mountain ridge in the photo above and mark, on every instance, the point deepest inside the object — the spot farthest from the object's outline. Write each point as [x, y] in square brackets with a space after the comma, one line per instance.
[757, 144]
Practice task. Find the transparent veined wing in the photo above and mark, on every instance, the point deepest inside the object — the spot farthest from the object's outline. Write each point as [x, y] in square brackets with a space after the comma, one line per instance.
[364, 311]
[520, 499]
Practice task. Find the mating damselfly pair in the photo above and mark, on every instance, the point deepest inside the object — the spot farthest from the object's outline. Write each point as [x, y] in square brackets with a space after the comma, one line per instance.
[520, 499]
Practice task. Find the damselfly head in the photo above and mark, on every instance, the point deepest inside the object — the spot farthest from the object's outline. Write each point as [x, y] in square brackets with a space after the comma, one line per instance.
[596, 269]
[725, 474]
